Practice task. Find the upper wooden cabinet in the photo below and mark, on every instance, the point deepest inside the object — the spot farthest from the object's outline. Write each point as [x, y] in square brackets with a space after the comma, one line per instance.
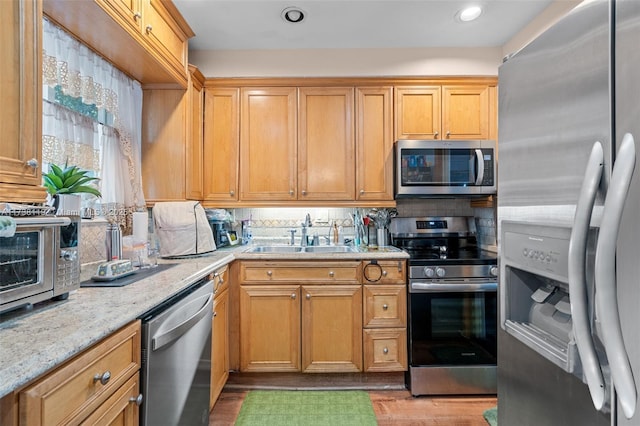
[268, 144]
[221, 143]
[374, 143]
[147, 39]
[21, 92]
[326, 150]
[194, 140]
[445, 112]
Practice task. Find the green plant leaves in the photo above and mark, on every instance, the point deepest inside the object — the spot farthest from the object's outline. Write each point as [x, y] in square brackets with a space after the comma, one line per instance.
[71, 180]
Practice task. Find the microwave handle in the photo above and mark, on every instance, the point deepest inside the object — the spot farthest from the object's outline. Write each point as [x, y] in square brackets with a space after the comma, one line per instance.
[480, 161]
[577, 278]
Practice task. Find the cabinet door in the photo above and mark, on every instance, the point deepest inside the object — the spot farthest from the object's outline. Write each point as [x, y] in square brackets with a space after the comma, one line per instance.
[326, 149]
[269, 328]
[164, 129]
[374, 144]
[417, 111]
[165, 35]
[127, 12]
[194, 140]
[220, 345]
[465, 112]
[21, 93]
[331, 328]
[385, 306]
[221, 140]
[268, 148]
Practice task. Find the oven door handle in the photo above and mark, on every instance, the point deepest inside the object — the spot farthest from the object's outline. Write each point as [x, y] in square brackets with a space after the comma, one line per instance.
[480, 160]
[427, 287]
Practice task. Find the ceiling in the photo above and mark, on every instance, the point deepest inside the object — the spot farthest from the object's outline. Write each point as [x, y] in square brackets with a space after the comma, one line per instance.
[334, 24]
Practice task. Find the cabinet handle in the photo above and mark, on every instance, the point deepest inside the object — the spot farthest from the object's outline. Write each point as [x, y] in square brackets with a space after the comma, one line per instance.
[215, 314]
[308, 296]
[304, 192]
[331, 274]
[149, 29]
[137, 16]
[269, 273]
[385, 307]
[385, 351]
[102, 378]
[362, 192]
[137, 400]
[448, 134]
[232, 192]
[33, 163]
[384, 273]
[435, 135]
[293, 296]
[291, 192]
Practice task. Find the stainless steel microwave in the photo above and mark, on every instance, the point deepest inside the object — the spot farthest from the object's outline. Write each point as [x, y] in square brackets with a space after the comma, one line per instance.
[40, 261]
[429, 168]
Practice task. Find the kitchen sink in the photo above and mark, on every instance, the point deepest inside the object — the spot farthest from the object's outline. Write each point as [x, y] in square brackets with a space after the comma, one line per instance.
[300, 249]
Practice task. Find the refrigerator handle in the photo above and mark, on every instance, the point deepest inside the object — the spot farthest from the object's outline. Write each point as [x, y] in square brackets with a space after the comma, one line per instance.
[577, 279]
[480, 161]
[605, 276]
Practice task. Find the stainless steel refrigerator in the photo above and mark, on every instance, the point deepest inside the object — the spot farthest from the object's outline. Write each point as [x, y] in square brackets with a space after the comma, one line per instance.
[569, 222]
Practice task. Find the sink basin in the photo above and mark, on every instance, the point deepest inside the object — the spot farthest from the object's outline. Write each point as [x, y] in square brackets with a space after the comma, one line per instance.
[330, 249]
[276, 249]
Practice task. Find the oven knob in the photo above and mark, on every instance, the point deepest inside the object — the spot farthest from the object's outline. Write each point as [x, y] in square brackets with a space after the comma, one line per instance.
[441, 272]
[493, 271]
[429, 272]
[68, 255]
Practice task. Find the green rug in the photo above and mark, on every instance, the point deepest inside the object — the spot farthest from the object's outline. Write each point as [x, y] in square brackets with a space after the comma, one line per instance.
[308, 408]
[491, 416]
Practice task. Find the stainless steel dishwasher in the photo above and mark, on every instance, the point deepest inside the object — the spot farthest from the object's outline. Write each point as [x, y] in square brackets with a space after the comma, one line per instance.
[176, 359]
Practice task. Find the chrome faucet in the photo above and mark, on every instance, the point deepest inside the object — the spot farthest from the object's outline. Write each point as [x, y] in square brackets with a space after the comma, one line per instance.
[305, 225]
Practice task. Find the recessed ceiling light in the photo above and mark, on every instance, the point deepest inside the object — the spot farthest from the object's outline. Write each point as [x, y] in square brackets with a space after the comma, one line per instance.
[293, 15]
[469, 13]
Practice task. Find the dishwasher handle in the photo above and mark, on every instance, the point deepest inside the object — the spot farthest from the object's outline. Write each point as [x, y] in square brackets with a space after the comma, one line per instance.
[163, 339]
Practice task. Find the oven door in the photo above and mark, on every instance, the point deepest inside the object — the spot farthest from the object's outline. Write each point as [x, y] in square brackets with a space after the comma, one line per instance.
[452, 323]
[426, 168]
[26, 265]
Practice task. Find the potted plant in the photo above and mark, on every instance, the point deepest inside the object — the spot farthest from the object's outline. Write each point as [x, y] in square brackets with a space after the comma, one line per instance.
[64, 185]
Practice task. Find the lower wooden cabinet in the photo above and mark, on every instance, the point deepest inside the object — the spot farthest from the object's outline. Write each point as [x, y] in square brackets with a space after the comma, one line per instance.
[99, 386]
[317, 317]
[220, 337]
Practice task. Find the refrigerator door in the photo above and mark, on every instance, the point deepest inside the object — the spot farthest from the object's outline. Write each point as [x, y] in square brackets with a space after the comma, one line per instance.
[554, 105]
[627, 120]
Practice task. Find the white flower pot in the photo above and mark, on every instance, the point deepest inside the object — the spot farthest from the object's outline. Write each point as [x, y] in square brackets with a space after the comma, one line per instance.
[67, 204]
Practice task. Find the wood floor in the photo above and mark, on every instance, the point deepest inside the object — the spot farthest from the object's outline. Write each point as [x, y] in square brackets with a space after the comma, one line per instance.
[392, 407]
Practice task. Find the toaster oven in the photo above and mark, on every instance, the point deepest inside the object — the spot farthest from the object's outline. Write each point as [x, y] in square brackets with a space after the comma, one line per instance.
[40, 261]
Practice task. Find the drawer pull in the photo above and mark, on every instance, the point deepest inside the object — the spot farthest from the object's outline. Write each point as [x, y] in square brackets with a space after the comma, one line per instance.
[385, 306]
[102, 378]
[149, 29]
[308, 296]
[331, 274]
[215, 314]
[293, 296]
[137, 400]
[384, 273]
[137, 16]
[270, 273]
[385, 351]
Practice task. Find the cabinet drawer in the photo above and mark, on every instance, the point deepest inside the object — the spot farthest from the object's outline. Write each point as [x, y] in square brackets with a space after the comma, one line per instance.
[70, 393]
[384, 271]
[385, 306]
[220, 280]
[121, 408]
[297, 272]
[165, 35]
[385, 350]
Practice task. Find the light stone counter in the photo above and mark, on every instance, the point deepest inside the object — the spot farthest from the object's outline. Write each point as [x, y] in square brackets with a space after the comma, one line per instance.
[34, 341]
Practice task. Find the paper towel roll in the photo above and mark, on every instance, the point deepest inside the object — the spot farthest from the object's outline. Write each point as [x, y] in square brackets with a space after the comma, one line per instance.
[141, 226]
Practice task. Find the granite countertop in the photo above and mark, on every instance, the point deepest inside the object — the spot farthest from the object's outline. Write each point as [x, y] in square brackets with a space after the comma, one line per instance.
[33, 341]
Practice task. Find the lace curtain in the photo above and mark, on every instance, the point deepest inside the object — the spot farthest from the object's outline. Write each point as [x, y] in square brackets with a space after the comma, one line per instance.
[70, 137]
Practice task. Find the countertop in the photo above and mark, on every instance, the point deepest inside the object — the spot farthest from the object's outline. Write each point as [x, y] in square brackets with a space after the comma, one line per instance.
[33, 341]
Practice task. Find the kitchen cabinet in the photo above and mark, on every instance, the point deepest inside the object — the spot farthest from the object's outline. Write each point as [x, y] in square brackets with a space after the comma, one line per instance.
[221, 143]
[460, 111]
[147, 39]
[194, 141]
[268, 144]
[99, 386]
[220, 337]
[300, 316]
[385, 316]
[21, 69]
[374, 143]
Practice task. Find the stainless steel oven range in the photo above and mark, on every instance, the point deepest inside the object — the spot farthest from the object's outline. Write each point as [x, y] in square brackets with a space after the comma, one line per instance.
[452, 306]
